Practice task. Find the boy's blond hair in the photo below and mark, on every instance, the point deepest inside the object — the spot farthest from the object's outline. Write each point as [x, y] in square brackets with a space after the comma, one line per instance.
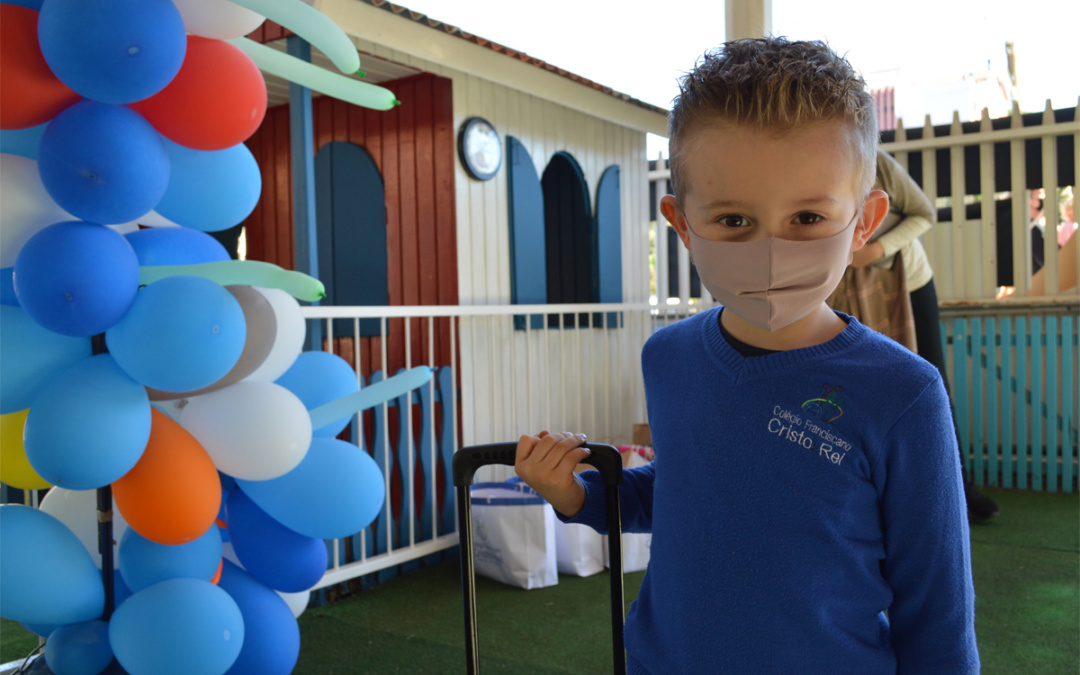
[775, 85]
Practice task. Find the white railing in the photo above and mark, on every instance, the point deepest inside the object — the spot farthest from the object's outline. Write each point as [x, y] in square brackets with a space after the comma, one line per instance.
[962, 252]
[511, 370]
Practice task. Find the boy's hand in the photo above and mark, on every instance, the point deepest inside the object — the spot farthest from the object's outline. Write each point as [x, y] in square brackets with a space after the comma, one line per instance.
[546, 462]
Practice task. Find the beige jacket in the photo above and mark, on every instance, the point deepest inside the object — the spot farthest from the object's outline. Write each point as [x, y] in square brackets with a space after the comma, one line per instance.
[910, 215]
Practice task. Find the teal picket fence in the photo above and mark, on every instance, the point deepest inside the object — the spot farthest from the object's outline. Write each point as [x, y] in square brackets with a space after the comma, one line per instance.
[1014, 381]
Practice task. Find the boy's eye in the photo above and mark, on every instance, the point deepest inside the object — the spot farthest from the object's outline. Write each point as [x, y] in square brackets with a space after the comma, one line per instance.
[733, 221]
[808, 219]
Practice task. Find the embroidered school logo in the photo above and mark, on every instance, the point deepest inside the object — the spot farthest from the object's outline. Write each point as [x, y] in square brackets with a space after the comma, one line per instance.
[827, 406]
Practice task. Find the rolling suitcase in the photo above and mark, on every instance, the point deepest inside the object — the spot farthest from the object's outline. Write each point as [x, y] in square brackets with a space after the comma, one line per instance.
[466, 461]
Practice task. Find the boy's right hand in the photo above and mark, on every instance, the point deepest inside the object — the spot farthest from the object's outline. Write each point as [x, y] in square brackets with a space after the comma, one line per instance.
[546, 462]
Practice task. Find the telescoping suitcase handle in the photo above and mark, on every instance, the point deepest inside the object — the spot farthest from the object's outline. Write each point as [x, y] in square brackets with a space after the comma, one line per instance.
[466, 461]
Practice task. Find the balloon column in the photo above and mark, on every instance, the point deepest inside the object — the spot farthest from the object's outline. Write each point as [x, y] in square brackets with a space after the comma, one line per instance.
[142, 366]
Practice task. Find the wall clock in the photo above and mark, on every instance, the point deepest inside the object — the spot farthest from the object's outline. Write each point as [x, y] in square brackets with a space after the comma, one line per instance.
[479, 148]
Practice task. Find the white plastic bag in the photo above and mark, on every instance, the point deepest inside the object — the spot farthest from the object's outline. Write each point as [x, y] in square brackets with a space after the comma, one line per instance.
[513, 535]
[580, 550]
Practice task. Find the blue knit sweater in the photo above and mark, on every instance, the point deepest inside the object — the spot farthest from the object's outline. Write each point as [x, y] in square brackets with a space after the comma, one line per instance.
[794, 500]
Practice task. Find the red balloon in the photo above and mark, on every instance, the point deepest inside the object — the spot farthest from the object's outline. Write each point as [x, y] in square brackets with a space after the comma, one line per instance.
[217, 100]
[29, 92]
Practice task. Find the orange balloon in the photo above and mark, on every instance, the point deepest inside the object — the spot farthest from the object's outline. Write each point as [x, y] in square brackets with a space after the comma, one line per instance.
[216, 101]
[173, 494]
[217, 575]
[30, 94]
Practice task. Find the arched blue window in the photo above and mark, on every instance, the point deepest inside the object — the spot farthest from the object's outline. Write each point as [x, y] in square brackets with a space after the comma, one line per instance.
[350, 211]
[559, 252]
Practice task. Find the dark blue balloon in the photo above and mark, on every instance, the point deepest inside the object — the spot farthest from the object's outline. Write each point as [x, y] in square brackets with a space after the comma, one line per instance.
[272, 553]
[103, 163]
[210, 190]
[76, 278]
[271, 634]
[321, 377]
[114, 52]
[32, 4]
[7, 287]
[175, 246]
[22, 142]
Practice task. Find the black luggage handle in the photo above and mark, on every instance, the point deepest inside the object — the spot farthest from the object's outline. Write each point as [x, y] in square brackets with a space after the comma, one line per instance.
[465, 463]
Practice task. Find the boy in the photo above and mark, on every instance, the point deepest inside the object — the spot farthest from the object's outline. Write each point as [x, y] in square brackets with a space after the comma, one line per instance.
[805, 502]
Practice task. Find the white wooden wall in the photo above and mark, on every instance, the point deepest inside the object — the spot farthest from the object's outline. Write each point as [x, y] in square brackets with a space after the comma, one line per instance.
[483, 231]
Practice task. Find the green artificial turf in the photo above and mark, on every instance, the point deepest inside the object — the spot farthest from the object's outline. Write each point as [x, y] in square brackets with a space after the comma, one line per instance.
[1025, 562]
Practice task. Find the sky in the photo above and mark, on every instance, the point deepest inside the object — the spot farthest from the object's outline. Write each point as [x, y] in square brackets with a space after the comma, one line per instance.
[642, 48]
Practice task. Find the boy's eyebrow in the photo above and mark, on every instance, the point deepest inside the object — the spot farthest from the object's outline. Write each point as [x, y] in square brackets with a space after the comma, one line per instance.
[811, 201]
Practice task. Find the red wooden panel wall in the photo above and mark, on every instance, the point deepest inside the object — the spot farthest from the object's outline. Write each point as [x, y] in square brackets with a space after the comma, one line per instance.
[413, 147]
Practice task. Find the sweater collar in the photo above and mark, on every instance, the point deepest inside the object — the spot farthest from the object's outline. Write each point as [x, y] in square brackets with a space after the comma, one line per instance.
[739, 365]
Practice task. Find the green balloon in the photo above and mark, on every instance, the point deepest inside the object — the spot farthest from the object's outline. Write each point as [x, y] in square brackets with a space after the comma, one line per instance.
[313, 26]
[242, 273]
[316, 78]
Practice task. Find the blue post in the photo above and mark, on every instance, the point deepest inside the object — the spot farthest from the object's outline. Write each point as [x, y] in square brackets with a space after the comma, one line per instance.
[302, 144]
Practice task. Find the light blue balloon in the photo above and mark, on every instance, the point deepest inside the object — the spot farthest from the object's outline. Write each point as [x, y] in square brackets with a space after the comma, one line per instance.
[336, 491]
[210, 190]
[79, 649]
[22, 142]
[182, 333]
[89, 426]
[318, 378]
[144, 563]
[32, 357]
[46, 574]
[177, 627]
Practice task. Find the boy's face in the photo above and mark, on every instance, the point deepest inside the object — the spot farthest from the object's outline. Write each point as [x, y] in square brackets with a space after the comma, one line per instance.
[744, 184]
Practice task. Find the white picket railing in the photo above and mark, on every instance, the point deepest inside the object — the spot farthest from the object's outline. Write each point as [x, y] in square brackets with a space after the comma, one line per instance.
[513, 369]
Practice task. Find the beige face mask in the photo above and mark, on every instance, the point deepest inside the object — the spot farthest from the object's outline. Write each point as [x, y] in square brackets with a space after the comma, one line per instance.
[772, 282]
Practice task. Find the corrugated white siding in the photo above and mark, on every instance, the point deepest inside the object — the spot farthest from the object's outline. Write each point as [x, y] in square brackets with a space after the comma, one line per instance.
[604, 374]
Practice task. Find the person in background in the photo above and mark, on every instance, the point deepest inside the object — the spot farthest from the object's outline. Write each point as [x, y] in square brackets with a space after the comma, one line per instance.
[896, 244]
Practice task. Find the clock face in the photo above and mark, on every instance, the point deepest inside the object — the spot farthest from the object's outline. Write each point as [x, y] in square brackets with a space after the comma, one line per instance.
[481, 150]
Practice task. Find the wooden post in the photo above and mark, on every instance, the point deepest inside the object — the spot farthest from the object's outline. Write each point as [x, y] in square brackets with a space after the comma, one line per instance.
[747, 18]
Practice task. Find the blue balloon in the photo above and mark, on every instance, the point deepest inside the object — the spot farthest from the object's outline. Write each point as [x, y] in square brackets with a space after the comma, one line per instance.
[114, 52]
[89, 426]
[76, 278]
[177, 627]
[32, 4]
[32, 357]
[121, 592]
[46, 574]
[103, 163]
[79, 649]
[22, 142]
[144, 563]
[40, 629]
[175, 246]
[210, 190]
[7, 287]
[182, 333]
[272, 553]
[271, 634]
[320, 377]
[336, 491]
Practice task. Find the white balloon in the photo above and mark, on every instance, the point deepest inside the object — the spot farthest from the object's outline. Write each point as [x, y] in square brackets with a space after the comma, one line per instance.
[217, 19]
[77, 509]
[25, 207]
[297, 602]
[155, 219]
[289, 341]
[252, 430]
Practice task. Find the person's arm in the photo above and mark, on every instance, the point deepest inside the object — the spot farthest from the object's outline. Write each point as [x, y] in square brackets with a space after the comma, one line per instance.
[927, 550]
[906, 198]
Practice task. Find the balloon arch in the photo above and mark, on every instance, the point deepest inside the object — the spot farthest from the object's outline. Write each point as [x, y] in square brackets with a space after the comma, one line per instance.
[151, 382]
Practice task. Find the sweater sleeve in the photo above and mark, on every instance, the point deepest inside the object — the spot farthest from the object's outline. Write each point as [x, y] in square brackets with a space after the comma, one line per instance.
[635, 495]
[917, 214]
[927, 549]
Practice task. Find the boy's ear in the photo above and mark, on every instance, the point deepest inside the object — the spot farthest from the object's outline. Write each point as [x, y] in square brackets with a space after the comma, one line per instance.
[670, 209]
[875, 209]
